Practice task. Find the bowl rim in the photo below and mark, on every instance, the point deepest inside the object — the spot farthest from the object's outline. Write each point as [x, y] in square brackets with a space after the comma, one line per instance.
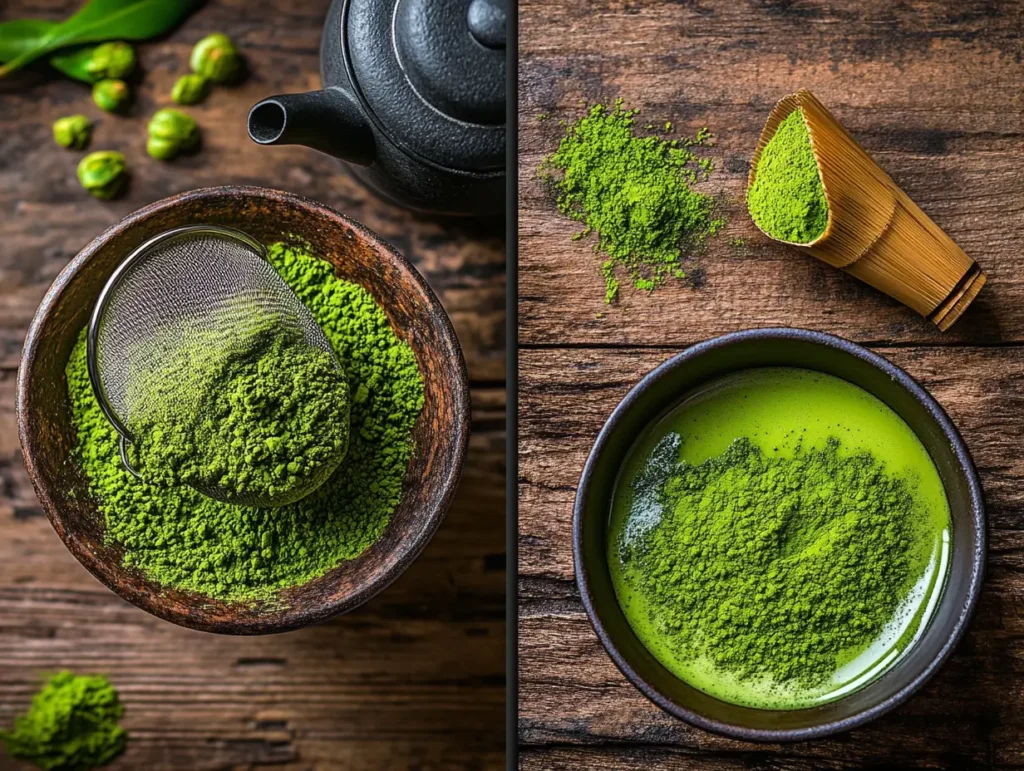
[434, 514]
[959, 448]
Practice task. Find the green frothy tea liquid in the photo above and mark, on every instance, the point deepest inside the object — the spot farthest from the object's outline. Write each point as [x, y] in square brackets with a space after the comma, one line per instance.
[785, 412]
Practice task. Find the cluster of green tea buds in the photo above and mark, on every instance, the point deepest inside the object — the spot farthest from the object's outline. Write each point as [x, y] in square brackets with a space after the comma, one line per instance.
[72, 131]
[111, 60]
[171, 132]
[111, 95]
[94, 63]
[103, 173]
[216, 58]
[190, 89]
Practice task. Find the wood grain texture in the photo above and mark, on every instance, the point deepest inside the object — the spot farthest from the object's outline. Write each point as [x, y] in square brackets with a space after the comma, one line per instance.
[413, 679]
[931, 90]
[572, 694]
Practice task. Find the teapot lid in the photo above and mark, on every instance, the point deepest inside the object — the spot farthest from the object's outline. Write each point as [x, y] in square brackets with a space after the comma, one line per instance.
[432, 74]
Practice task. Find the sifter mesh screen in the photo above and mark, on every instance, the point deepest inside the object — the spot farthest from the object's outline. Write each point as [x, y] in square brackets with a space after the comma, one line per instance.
[179, 298]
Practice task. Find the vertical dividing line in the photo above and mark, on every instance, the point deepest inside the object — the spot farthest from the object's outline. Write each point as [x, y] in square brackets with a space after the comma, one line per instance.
[512, 389]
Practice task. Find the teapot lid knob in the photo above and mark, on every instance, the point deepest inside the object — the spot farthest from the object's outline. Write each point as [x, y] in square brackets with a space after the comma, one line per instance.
[487, 23]
[453, 53]
[431, 74]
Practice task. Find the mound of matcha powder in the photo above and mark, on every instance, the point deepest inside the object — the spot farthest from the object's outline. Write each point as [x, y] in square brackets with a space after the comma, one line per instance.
[635, 193]
[773, 566]
[72, 725]
[787, 199]
[181, 538]
[262, 417]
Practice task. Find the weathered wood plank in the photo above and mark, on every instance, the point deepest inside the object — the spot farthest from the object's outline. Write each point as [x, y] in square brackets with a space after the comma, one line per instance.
[414, 675]
[928, 89]
[413, 679]
[571, 693]
[566, 395]
[46, 217]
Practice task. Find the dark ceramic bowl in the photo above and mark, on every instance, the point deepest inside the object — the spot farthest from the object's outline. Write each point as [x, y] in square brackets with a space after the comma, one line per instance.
[663, 388]
[357, 254]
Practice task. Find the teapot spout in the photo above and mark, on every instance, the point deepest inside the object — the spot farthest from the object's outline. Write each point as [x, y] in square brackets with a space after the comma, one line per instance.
[330, 121]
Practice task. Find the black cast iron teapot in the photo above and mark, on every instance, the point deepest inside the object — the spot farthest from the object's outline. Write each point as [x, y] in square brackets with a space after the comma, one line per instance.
[413, 100]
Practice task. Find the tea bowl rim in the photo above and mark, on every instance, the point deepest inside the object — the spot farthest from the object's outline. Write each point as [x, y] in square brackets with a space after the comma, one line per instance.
[826, 728]
[407, 549]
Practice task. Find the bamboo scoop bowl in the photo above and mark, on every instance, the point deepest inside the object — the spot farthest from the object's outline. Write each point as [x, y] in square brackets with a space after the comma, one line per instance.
[875, 232]
[357, 254]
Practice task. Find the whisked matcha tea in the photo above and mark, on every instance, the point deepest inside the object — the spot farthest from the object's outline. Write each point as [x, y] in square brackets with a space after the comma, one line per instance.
[779, 539]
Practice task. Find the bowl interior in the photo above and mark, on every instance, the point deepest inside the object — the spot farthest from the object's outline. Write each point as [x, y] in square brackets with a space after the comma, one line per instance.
[795, 348]
[358, 255]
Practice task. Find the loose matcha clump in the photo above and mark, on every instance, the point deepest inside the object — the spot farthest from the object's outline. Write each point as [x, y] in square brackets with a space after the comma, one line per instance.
[181, 538]
[771, 566]
[260, 418]
[72, 725]
[635, 193]
[787, 199]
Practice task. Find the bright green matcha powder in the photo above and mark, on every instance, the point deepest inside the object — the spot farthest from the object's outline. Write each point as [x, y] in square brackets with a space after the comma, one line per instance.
[787, 199]
[636, 193]
[779, 539]
[72, 725]
[262, 417]
[181, 538]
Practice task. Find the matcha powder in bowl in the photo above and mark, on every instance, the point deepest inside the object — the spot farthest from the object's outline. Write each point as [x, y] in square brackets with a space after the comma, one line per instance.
[787, 200]
[260, 418]
[182, 539]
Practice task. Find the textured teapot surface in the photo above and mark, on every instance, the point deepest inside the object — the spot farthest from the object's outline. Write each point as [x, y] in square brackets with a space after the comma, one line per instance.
[434, 88]
[413, 100]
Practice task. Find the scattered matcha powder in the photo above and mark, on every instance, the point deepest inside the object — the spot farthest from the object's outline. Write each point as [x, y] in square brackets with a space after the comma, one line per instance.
[262, 417]
[635, 193]
[181, 538]
[787, 200]
[72, 725]
[738, 247]
[775, 566]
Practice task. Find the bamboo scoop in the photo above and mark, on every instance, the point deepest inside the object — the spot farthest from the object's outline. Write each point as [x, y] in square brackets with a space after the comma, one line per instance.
[875, 232]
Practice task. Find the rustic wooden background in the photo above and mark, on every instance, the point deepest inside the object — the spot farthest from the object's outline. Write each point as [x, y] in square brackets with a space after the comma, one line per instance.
[413, 679]
[933, 90]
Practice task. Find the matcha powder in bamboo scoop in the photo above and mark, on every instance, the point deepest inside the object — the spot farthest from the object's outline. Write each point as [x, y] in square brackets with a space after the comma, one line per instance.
[215, 374]
[787, 200]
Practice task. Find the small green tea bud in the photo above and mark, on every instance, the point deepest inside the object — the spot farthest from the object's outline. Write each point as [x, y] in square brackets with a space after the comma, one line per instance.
[215, 57]
[111, 95]
[190, 89]
[72, 131]
[103, 173]
[161, 149]
[171, 132]
[111, 60]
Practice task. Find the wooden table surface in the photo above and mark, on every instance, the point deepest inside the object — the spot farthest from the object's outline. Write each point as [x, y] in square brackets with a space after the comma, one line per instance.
[933, 91]
[413, 679]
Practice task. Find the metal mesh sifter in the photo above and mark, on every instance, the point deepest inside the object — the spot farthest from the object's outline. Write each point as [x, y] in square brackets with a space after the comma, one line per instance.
[177, 297]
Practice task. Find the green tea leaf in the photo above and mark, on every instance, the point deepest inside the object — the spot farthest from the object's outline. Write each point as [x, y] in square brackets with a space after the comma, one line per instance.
[73, 63]
[20, 36]
[99, 20]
